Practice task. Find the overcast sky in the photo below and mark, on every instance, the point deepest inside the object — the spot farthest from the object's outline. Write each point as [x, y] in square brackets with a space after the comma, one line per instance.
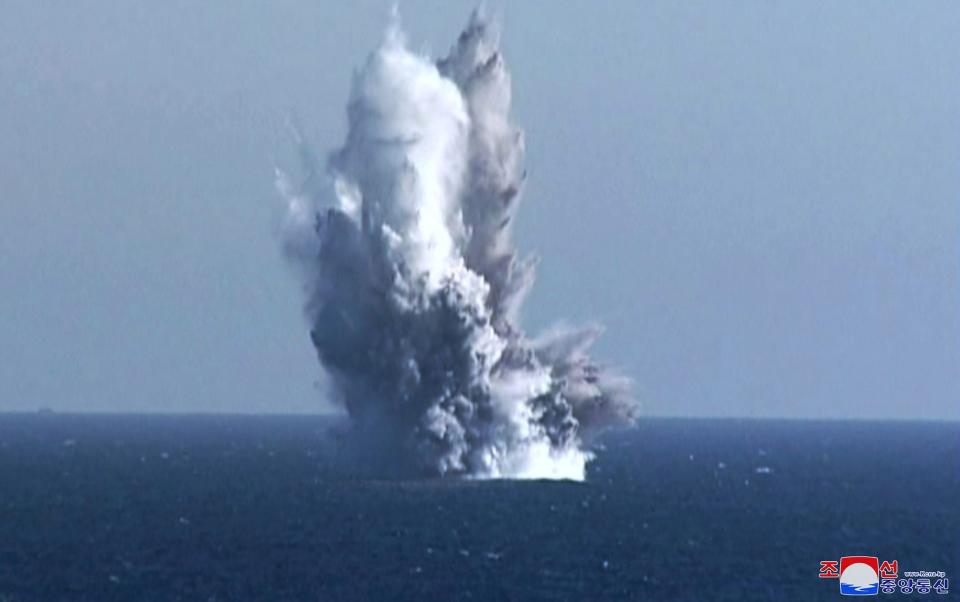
[760, 200]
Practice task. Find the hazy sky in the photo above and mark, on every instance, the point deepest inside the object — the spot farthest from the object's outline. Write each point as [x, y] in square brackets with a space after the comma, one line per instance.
[760, 200]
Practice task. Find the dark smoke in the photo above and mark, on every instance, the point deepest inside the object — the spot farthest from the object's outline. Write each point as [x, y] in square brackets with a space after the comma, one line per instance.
[414, 286]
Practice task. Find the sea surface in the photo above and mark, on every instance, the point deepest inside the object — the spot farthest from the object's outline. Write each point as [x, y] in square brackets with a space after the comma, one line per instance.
[238, 508]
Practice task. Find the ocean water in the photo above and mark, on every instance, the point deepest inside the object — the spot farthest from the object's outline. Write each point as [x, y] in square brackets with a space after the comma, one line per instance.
[230, 508]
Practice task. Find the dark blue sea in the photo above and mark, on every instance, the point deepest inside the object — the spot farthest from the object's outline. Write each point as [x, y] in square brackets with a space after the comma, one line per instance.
[211, 508]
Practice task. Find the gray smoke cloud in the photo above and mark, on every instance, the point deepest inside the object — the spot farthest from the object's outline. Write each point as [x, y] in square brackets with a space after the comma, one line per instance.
[403, 239]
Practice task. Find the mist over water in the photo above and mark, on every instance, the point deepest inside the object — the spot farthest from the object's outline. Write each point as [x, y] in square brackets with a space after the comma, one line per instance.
[403, 240]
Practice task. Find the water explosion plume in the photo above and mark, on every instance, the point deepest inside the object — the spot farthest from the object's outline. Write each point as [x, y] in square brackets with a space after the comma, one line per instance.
[414, 286]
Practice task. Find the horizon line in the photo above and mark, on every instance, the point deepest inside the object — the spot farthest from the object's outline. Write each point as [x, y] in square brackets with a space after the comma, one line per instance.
[46, 411]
